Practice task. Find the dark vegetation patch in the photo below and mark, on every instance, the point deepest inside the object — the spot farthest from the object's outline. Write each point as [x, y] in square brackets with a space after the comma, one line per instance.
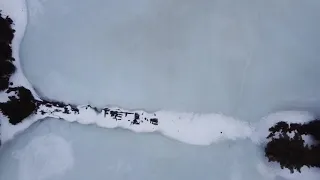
[291, 151]
[6, 66]
[19, 106]
[6, 32]
[4, 83]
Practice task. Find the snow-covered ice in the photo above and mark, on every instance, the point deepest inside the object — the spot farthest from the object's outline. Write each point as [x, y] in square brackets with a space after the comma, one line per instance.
[9, 131]
[43, 157]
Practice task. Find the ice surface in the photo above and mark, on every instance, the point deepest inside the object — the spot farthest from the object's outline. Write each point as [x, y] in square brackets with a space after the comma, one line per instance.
[43, 157]
[101, 154]
[241, 58]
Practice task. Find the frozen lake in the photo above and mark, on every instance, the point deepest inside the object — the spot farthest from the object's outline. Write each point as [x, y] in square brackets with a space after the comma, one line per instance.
[241, 58]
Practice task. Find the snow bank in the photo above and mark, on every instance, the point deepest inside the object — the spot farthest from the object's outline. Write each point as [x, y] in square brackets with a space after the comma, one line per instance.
[198, 129]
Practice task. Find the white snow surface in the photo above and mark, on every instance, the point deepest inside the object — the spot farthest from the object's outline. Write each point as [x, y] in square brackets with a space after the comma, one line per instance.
[197, 129]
